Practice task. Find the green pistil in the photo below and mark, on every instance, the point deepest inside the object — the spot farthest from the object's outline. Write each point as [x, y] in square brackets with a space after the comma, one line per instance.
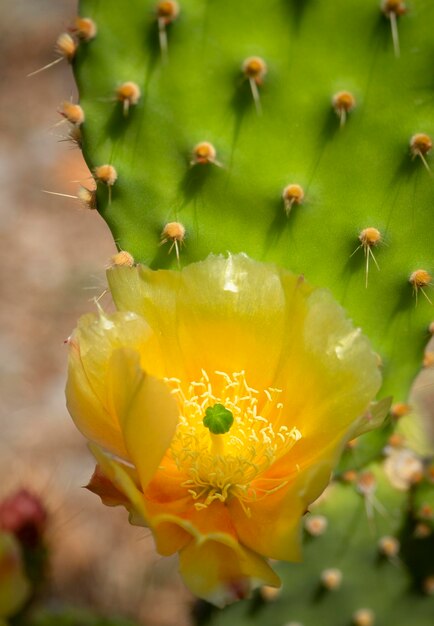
[218, 419]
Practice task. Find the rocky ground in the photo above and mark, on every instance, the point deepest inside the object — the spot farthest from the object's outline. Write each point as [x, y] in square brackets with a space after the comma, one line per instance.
[53, 255]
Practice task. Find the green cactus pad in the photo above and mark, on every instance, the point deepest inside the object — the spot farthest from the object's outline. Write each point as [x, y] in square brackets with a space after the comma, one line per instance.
[355, 175]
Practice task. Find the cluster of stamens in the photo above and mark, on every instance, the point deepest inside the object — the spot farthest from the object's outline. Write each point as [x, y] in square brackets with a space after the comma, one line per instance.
[222, 466]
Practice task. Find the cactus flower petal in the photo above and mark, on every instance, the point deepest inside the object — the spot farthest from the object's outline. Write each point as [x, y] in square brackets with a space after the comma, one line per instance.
[90, 393]
[217, 400]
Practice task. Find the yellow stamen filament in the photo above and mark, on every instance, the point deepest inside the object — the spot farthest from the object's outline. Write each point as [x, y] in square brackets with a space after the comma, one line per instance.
[223, 466]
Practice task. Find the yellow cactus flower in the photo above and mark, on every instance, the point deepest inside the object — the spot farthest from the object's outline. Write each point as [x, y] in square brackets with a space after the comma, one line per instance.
[217, 400]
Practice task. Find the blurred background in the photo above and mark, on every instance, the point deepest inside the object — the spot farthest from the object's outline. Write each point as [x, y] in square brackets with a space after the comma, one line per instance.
[53, 257]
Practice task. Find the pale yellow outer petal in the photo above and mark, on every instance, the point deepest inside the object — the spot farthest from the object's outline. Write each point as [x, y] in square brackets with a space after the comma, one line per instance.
[147, 412]
[90, 416]
[97, 336]
[328, 380]
[152, 295]
[88, 390]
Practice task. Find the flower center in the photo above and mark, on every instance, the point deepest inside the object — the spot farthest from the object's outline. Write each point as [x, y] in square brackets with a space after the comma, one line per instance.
[228, 435]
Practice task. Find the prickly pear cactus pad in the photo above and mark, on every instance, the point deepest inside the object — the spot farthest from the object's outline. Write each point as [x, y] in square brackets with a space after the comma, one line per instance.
[294, 131]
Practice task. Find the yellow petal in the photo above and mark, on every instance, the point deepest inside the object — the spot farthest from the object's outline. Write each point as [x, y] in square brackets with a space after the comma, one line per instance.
[271, 524]
[97, 336]
[88, 392]
[152, 295]
[147, 412]
[329, 376]
[223, 314]
[222, 573]
[90, 415]
[171, 534]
